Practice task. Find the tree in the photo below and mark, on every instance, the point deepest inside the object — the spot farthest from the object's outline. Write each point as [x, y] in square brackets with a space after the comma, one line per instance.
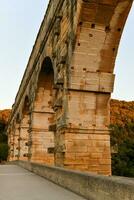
[3, 152]
[3, 142]
[123, 160]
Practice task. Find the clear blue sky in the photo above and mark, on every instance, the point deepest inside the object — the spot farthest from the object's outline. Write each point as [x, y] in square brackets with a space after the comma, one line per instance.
[20, 22]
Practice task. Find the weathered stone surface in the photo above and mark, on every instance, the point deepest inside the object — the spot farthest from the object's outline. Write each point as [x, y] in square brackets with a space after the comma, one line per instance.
[63, 100]
[89, 185]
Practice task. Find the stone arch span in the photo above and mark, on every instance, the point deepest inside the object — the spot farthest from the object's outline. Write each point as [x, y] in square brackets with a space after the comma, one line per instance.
[43, 115]
[82, 38]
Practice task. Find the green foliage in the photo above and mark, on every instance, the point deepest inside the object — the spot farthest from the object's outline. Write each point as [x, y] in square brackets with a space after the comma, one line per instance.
[123, 160]
[3, 152]
[3, 138]
[120, 133]
[2, 126]
[3, 142]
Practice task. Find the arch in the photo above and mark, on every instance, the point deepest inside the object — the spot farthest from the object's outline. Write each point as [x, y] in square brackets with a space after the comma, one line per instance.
[18, 118]
[44, 83]
[124, 58]
[25, 108]
[43, 115]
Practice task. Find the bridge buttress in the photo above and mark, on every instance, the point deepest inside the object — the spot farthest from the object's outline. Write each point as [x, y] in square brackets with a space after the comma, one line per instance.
[84, 141]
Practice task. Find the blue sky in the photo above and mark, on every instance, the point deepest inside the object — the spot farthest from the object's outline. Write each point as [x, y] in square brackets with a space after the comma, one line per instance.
[124, 68]
[20, 22]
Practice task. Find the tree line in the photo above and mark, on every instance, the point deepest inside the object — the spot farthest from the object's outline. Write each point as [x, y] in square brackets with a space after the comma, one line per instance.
[122, 137]
[3, 142]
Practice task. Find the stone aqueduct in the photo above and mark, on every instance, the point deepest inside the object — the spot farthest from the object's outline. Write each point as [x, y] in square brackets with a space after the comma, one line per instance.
[61, 111]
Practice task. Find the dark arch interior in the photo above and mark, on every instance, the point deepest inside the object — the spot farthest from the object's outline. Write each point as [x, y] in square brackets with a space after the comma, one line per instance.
[47, 65]
[26, 106]
[18, 119]
[46, 75]
[45, 83]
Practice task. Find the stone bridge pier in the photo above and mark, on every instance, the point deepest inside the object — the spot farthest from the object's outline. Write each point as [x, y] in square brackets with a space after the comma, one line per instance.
[63, 99]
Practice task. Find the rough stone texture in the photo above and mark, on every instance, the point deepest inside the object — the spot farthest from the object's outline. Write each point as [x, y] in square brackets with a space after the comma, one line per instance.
[90, 186]
[63, 100]
[17, 183]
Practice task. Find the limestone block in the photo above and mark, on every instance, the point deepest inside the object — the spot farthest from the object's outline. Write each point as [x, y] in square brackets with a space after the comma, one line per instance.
[89, 81]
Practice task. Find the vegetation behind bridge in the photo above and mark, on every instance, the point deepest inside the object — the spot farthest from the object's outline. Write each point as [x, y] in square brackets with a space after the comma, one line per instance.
[4, 115]
[122, 138]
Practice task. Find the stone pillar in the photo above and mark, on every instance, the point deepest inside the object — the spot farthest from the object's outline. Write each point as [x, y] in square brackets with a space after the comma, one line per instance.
[24, 138]
[11, 145]
[42, 149]
[82, 135]
[83, 142]
[16, 142]
[87, 140]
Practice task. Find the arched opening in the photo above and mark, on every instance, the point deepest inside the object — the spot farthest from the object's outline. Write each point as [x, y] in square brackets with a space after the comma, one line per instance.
[124, 69]
[43, 116]
[121, 116]
[43, 100]
[24, 131]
